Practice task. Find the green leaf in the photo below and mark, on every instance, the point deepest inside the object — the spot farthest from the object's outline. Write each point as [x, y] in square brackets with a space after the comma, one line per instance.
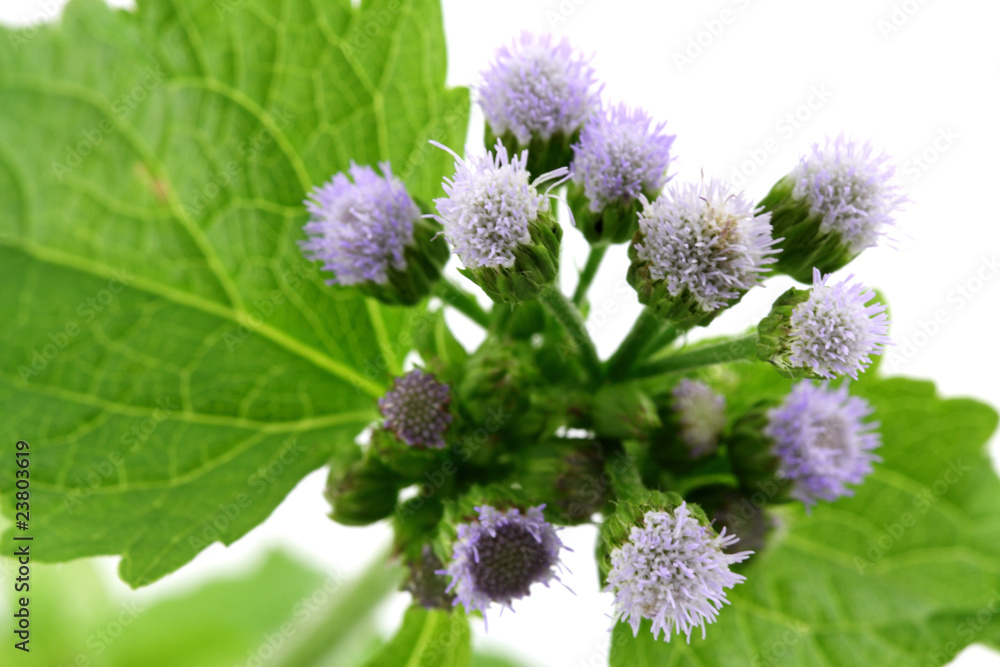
[264, 612]
[175, 364]
[428, 638]
[895, 575]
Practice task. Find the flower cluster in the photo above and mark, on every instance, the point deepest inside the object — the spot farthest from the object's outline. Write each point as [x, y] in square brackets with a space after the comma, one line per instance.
[620, 156]
[673, 571]
[703, 242]
[834, 331]
[416, 409]
[360, 225]
[489, 438]
[492, 202]
[537, 87]
[500, 555]
[850, 189]
[823, 443]
[701, 416]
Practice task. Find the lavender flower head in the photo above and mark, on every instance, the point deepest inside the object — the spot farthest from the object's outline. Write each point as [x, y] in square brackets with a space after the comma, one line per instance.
[620, 156]
[499, 556]
[416, 409]
[490, 206]
[536, 88]
[705, 239]
[822, 441]
[701, 415]
[360, 229]
[673, 570]
[850, 188]
[833, 332]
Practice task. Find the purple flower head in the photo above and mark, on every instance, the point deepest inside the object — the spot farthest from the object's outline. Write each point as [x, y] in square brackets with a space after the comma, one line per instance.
[620, 155]
[491, 203]
[705, 239]
[360, 229]
[499, 556]
[850, 188]
[673, 571]
[701, 415]
[833, 332]
[822, 441]
[416, 409]
[536, 88]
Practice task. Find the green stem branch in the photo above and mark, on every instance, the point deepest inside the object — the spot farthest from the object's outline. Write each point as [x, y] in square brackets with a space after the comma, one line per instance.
[568, 315]
[646, 327]
[594, 259]
[462, 301]
[743, 347]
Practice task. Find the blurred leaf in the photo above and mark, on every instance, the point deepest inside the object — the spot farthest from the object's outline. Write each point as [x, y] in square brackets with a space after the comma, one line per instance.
[174, 362]
[895, 575]
[428, 638]
[495, 660]
[225, 622]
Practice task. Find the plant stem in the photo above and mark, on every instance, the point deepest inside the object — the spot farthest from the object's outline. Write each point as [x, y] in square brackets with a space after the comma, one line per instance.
[462, 301]
[743, 347]
[646, 327]
[666, 337]
[597, 253]
[568, 315]
[348, 606]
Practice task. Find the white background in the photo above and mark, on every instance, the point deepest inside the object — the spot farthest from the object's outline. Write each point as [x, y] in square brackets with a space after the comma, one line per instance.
[918, 78]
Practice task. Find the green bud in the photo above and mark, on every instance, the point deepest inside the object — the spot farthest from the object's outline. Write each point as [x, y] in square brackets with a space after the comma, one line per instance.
[536, 265]
[425, 259]
[741, 514]
[803, 245]
[361, 489]
[623, 412]
[682, 310]
[615, 223]
[750, 455]
[428, 588]
[495, 391]
[566, 475]
[773, 339]
[409, 462]
[544, 155]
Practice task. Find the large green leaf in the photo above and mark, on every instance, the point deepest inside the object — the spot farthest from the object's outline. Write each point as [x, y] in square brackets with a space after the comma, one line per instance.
[175, 364]
[428, 638]
[895, 575]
